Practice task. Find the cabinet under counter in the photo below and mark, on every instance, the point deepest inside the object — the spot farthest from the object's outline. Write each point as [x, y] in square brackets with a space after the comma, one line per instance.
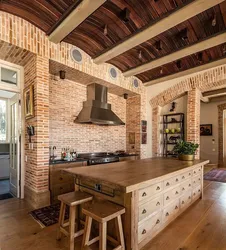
[153, 191]
[59, 181]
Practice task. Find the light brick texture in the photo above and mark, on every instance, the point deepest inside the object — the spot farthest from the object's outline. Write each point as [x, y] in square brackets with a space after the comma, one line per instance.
[193, 117]
[66, 99]
[221, 135]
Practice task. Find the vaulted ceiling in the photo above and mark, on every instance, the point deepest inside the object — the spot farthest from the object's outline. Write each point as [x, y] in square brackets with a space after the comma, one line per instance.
[115, 32]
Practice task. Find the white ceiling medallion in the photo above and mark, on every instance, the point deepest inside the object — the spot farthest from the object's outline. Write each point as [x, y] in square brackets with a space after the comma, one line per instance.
[113, 73]
[76, 55]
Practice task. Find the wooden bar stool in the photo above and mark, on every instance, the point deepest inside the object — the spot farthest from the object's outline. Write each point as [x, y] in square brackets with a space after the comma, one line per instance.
[72, 199]
[103, 212]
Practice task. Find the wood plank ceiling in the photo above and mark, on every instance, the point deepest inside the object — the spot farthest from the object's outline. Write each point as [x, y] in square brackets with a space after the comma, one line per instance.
[118, 20]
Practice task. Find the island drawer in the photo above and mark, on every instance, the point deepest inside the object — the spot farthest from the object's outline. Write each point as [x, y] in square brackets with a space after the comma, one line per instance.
[185, 186]
[150, 191]
[186, 175]
[150, 207]
[196, 181]
[185, 199]
[170, 211]
[171, 195]
[149, 226]
[172, 181]
[197, 171]
[196, 192]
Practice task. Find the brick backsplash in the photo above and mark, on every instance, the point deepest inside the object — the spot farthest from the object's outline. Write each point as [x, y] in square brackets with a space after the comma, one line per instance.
[66, 99]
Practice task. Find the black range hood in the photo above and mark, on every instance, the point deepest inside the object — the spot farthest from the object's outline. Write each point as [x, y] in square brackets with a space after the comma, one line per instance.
[96, 109]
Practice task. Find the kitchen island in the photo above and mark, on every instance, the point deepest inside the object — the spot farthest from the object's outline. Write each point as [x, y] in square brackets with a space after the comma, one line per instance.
[153, 191]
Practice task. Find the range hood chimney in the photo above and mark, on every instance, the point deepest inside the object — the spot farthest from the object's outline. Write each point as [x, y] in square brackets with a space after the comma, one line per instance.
[96, 109]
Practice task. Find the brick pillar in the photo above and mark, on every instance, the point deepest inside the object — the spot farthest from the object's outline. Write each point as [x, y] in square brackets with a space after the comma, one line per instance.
[36, 73]
[155, 131]
[193, 117]
[133, 123]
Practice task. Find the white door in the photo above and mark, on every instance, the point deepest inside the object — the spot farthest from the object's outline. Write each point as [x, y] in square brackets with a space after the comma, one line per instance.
[14, 170]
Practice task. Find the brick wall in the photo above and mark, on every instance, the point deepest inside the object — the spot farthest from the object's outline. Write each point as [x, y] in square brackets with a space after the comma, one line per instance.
[221, 109]
[66, 99]
[193, 117]
[36, 73]
[133, 125]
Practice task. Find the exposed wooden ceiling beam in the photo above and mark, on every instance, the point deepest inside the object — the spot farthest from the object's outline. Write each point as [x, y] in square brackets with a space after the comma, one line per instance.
[177, 17]
[203, 45]
[215, 92]
[187, 72]
[218, 98]
[76, 17]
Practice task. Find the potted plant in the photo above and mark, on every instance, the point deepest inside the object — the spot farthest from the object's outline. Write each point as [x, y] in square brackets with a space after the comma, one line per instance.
[185, 150]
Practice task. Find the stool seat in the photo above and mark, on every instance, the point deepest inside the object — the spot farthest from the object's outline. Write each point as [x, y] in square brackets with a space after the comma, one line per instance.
[75, 198]
[102, 211]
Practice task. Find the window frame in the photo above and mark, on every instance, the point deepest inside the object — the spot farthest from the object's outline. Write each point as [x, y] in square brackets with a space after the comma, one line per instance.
[7, 120]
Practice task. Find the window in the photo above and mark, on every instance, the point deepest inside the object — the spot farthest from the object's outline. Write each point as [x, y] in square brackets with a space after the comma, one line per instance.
[9, 76]
[3, 120]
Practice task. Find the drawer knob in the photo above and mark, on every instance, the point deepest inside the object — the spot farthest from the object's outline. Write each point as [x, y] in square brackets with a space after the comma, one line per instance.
[183, 177]
[199, 190]
[167, 198]
[158, 203]
[189, 185]
[176, 192]
[183, 188]
[167, 184]
[167, 214]
[158, 188]
[189, 173]
[182, 202]
[158, 221]
[176, 180]
[176, 207]
[144, 211]
[194, 172]
[189, 197]
[199, 170]
[61, 188]
[61, 178]
[144, 231]
[194, 194]
[193, 181]
[144, 194]
[199, 179]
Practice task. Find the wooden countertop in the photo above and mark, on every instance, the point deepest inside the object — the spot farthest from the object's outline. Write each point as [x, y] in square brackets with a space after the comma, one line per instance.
[133, 175]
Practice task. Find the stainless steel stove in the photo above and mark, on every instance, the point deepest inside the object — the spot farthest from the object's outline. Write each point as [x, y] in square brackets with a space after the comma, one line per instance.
[99, 158]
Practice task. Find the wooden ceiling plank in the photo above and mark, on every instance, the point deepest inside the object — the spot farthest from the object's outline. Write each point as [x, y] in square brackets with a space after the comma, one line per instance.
[214, 92]
[197, 47]
[187, 72]
[76, 17]
[177, 17]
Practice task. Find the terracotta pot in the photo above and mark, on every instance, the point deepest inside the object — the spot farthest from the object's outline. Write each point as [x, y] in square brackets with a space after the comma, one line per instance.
[186, 157]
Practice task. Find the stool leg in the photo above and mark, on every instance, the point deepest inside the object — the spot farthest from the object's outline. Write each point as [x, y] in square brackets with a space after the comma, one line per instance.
[87, 231]
[61, 219]
[120, 231]
[72, 228]
[103, 236]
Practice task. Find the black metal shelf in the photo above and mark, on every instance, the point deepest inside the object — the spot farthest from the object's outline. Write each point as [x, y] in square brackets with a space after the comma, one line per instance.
[179, 117]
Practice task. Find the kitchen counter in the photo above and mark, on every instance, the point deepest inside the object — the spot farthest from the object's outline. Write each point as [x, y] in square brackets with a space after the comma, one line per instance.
[132, 175]
[153, 191]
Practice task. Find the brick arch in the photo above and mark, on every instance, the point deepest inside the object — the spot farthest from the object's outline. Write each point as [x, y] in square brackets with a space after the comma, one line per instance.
[221, 109]
[194, 85]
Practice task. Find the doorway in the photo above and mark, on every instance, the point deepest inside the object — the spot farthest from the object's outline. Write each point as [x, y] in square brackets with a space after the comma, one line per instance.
[11, 160]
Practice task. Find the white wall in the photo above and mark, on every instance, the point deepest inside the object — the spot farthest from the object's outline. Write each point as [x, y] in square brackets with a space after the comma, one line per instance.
[209, 115]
